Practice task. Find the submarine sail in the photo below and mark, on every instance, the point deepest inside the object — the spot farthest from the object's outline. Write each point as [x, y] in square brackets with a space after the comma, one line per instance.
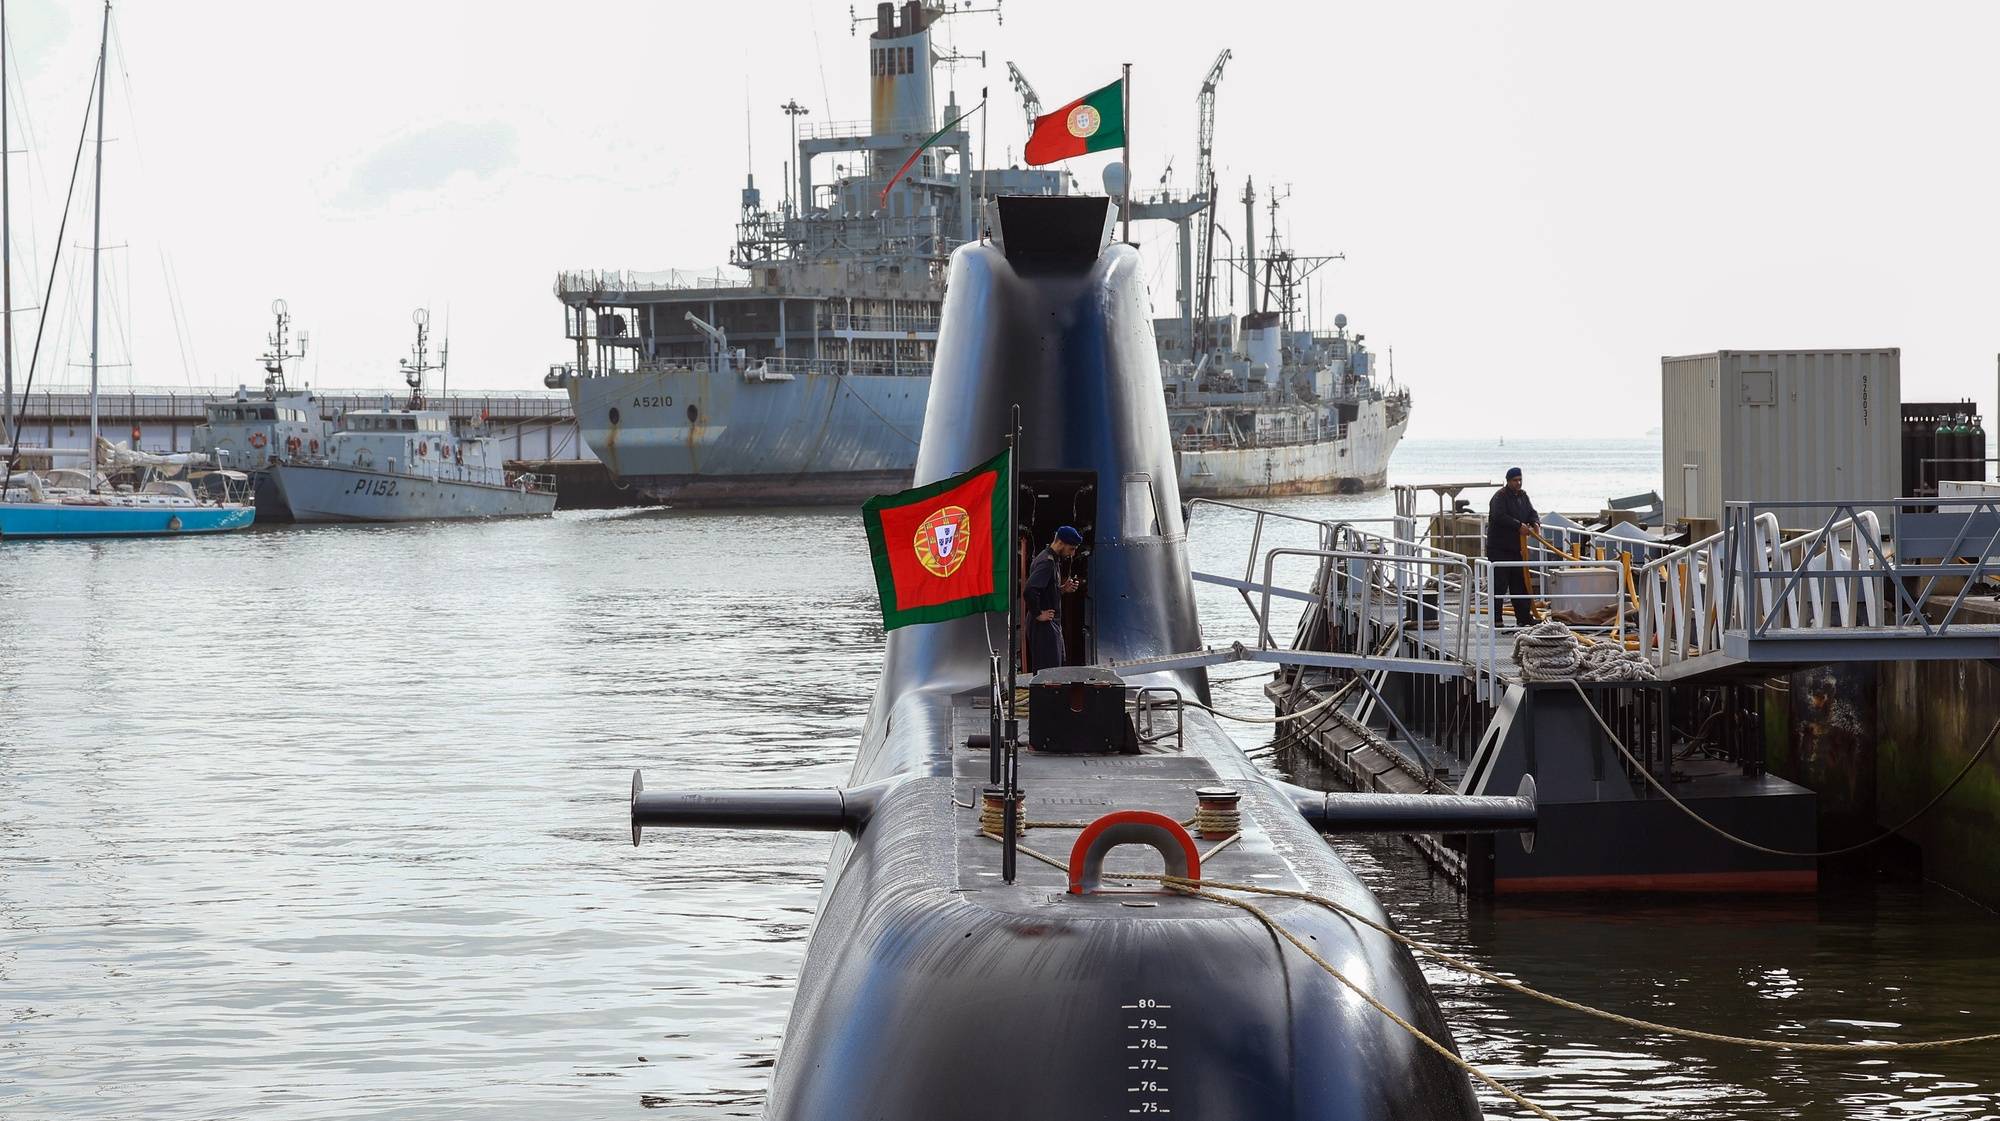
[933, 986]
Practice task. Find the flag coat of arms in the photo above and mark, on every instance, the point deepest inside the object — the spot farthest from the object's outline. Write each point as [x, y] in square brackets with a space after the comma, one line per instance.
[940, 550]
[1091, 123]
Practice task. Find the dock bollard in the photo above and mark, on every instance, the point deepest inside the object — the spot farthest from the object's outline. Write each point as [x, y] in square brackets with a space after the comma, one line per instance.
[993, 813]
[1216, 815]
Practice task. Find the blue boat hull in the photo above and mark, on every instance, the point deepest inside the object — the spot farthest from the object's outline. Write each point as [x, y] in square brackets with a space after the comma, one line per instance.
[46, 519]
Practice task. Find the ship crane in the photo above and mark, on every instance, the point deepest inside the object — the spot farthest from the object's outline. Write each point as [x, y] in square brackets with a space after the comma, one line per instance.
[1204, 179]
[1030, 103]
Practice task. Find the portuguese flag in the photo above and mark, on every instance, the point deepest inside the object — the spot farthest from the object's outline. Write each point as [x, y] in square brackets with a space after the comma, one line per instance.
[1091, 123]
[940, 550]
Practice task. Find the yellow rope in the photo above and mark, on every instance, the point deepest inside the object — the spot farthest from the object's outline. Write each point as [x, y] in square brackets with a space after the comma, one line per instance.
[1414, 1031]
[1749, 844]
[1192, 888]
[1562, 1002]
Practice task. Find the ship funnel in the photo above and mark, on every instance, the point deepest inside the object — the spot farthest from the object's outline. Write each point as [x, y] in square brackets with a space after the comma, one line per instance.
[1261, 343]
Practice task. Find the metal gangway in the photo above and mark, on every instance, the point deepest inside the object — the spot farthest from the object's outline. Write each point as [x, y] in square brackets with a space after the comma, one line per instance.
[1892, 579]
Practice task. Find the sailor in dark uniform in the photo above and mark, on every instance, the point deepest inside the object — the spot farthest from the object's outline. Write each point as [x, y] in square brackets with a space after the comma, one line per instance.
[1048, 582]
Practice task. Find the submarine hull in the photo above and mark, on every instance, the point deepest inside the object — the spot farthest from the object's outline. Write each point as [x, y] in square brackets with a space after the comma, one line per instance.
[933, 989]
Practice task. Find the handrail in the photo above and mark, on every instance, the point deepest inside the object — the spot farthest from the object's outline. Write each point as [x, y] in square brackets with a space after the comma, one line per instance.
[1400, 591]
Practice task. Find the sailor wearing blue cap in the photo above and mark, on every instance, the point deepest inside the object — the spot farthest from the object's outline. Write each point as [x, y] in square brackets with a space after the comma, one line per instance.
[1507, 516]
[1048, 582]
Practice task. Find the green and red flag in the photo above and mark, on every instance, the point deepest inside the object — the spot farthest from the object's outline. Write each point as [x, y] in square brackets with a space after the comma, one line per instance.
[933, 138]
[940, 550]
[1091, 123]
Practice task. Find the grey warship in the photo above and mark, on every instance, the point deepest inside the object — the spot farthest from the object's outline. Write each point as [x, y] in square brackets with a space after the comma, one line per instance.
[946, 978]
[804, 380]
[804, 377]
[407, 462]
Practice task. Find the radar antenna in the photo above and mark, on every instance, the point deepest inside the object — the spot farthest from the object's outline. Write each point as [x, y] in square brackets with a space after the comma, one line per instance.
[937, 11]
[415, 367]
[276, 357]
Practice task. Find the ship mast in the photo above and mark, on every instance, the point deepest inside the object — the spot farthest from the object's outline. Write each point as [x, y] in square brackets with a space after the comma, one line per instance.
[97, 236]
[6, 242]
[418, 365]
[277, 356]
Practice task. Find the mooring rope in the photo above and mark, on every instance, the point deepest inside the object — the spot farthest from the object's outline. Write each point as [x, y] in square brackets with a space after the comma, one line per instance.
[1415, 1032]
[1574, 1006]
[1300, 714]
[1726, 835]
[1208, 889]
[1196, 889]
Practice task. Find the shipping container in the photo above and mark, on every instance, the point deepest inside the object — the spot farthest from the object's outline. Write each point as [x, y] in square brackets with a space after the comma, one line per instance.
[1780, 426]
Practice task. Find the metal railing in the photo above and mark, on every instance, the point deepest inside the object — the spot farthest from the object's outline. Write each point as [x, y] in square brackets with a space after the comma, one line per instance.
[70, 403]
[1849, 577]
[1229, 441]
[613, 281]
[751, 368]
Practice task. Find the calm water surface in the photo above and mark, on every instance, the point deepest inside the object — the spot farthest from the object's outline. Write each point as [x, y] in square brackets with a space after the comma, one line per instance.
[328, 823]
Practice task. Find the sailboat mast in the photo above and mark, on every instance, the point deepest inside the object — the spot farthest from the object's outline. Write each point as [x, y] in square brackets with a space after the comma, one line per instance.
[6, 242]
[97, 233]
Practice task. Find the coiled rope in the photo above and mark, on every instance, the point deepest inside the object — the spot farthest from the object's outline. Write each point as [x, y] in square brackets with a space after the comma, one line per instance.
[1550, 651]
[1984, 746]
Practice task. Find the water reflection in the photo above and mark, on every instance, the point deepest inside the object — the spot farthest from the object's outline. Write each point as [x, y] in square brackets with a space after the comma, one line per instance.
[329, 824]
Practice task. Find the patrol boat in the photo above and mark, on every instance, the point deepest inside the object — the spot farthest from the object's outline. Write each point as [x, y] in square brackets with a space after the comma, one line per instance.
[954, 973]
[405, 464]
[250, 434]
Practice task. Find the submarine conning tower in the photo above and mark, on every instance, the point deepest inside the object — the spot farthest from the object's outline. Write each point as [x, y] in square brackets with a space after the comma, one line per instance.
[935, 985]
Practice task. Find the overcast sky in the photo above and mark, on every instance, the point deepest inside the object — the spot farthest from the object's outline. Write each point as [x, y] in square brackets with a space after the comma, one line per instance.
[1536, 201]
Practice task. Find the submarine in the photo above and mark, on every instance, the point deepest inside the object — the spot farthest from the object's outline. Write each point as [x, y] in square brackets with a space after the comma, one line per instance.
[953, 972]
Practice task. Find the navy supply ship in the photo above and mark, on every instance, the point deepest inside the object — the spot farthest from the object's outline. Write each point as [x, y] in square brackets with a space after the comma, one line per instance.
[952, 974]
[804, 380]
[1292, 412]
[406, 463]
[252, 433]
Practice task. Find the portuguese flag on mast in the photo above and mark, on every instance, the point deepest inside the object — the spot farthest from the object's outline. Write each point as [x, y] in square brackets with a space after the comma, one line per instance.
[1091, 123]
[940, 550]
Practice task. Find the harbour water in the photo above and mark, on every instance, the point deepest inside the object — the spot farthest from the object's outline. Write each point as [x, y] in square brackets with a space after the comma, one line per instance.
[329, 823]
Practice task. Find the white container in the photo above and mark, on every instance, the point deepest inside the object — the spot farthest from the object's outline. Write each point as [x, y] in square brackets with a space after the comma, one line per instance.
[1583, 591]
[1780, 426]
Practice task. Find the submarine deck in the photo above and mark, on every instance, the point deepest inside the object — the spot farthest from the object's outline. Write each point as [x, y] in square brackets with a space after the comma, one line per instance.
[1064, 792]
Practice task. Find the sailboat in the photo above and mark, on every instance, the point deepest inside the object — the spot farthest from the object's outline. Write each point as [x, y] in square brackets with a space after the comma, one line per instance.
[87, 506]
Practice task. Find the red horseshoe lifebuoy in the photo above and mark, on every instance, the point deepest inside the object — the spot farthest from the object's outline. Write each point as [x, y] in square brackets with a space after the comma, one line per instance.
[423, 448]
[257, 439]
[315, 447]
[292, 445]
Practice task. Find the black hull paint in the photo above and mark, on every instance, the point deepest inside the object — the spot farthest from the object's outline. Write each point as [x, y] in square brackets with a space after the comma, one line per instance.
[930, 989]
